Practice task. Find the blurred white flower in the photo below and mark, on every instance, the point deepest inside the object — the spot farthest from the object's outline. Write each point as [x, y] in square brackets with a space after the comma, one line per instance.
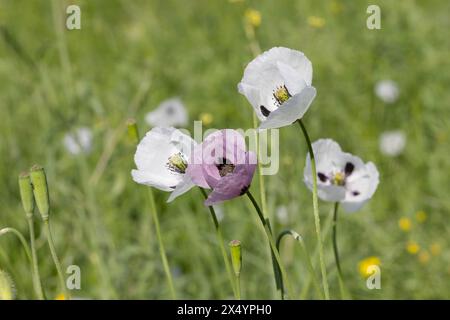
[277, 84]
[79, 141]
[161, 160]
[392, 143]
[169, 113]
[341, 176]
[387, 91]
[282, 214]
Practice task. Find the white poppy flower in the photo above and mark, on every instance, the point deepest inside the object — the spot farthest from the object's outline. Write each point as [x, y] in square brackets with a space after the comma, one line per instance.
[79, 141]
[392, 143]
[169, 113]
[341, 177]
[162, 158]
[277, 84]
[387, 91]
[282, 214]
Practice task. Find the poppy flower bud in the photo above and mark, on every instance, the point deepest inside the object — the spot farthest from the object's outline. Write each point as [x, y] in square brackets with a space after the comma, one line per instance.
[133, 133]
[236, 257]
[40, 190]
[26, 192]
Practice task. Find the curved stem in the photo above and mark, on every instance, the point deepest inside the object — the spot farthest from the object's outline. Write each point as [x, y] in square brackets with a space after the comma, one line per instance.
[273, 247]
[309, 265]
[222, 246]
[55, 258]
[316, 211]
[162, 251]
[22, 240]
[37, 278]
[336, 252]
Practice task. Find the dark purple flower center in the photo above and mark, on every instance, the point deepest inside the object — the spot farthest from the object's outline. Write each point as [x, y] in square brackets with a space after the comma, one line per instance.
[225, 168]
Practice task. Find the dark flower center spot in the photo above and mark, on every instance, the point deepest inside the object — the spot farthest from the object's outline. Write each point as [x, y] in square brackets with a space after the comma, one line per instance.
[349, 167]
[225, 168]
[244, 190]
[264, 111]
[322, 177]
[355, 193]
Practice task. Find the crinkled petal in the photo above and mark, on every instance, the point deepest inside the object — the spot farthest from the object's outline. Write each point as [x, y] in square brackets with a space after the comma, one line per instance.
[361, 188]
[152, 154]
[184, 186]
[291, 110]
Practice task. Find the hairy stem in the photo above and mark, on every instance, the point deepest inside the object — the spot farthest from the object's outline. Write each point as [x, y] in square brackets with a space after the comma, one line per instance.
[316, 211]
[273, 247]
[222, 246]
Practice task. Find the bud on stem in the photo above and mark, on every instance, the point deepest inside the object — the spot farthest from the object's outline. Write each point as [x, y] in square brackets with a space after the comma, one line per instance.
[133, 133]
[40, 190]
[26, 193]
[236, 257]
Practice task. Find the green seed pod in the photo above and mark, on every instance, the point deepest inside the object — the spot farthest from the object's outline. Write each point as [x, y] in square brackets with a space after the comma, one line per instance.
[40, 190]
[26, 192]
[133, 133]
[7, 290]
[236, 257]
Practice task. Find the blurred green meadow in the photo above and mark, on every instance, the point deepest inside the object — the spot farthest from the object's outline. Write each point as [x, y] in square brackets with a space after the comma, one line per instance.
[131, 55]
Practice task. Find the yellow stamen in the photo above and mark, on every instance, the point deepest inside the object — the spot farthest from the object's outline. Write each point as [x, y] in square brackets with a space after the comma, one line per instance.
[177, 163]
[338, 179]
[281, 94]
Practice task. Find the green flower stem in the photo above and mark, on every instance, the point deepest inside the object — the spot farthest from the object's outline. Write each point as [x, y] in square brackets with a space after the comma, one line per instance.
[273, 247]
[336, 251]
[238, 287]
[162, 251]
[29, 256]
[309, 265]
[316, 211]
[37, 278]
[55, 258]
[22, 240]
[234, 285]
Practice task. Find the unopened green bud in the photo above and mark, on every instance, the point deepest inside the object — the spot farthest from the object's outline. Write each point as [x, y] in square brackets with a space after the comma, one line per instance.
[40, 190]
[7, 291]
[26, 192]
[236, 257]
[133, 133]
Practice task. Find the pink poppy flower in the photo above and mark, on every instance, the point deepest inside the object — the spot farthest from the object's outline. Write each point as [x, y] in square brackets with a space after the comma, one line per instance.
[221, 163]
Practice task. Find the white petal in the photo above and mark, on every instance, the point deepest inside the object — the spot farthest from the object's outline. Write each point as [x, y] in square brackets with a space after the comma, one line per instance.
[84, 137]
[291, 110]
[326, 152]
[184, 186]
[293, 80]
[253, 96]
[365, 184]
[392, 143]
[169, 113]
[387, 91]
[152, 155]
[71, 144]
[274, 68]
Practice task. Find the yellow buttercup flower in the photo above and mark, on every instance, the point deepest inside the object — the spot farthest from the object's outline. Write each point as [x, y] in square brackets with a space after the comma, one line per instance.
[316, 22]
[435, 249]
[364, 265]
[60, 296]
[424, 257]
[412, 247]
[405, 224]
[207, 118]
[421, 216]
[253, 17]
